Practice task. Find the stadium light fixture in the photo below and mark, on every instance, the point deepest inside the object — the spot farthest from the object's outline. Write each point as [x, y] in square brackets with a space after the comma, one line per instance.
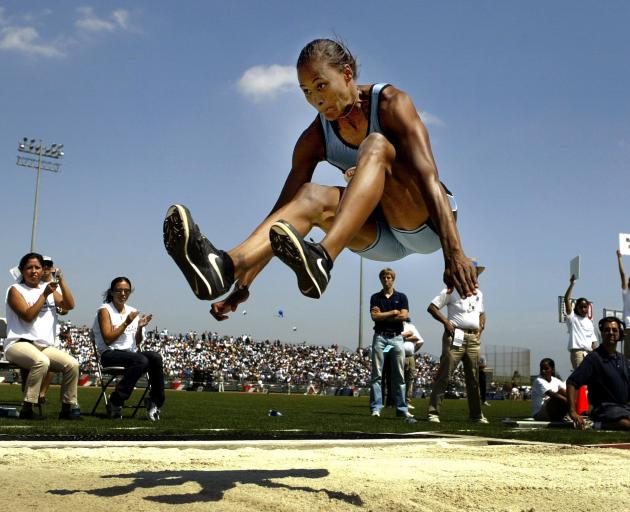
[35, 147]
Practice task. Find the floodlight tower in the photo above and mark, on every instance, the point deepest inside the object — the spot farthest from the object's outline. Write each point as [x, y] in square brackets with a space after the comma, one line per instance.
[360, 302]
[35, 147]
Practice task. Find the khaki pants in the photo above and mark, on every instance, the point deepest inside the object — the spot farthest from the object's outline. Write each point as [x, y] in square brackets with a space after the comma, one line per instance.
[577, 356]
[468, 353]
[39, 361]
[410, 375]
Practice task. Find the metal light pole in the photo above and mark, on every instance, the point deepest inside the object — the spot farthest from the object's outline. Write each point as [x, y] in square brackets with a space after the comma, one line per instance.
[35, 147]
[360, 302]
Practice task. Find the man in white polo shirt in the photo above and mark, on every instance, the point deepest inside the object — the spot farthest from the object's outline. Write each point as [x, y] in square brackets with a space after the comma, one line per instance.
[463, 326]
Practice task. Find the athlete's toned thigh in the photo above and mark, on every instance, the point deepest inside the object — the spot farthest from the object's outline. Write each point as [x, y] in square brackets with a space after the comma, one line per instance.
[402, 202]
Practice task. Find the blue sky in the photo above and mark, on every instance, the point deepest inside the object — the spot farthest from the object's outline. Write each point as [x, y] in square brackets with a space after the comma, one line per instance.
[527, 105]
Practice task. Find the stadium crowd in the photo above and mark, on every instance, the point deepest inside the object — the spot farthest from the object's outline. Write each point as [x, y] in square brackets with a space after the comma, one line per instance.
[244, 359]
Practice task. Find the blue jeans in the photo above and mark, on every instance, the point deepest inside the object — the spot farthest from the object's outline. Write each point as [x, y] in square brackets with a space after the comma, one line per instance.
[397, 358]
[136, 364]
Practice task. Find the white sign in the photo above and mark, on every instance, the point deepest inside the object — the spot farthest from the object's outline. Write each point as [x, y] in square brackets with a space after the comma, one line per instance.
[624, 243]
[574, 267]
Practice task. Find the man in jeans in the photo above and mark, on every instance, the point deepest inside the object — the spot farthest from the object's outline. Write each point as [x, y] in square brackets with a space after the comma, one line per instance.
[463, 326]
[389, 309]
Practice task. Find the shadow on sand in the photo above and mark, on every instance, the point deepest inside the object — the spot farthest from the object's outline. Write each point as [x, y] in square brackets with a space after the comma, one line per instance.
[213, 484]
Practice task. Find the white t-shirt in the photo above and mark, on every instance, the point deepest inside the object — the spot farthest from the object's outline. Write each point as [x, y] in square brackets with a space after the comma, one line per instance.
[412, 346]
[127, 340]
[462, 313]
[625, 295]
[539, 391]
[581, 332]
[41, 330]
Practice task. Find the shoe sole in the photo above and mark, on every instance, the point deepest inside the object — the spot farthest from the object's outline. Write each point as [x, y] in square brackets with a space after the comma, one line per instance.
[289, 247]
[176, 237]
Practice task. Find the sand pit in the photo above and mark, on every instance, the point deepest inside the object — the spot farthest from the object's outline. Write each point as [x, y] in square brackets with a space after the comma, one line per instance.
[428, 475]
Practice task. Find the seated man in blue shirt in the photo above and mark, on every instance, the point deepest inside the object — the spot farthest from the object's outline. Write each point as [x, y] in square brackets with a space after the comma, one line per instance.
[606, 372]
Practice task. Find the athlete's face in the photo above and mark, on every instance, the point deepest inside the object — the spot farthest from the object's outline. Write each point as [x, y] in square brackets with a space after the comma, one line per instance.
[326, 88]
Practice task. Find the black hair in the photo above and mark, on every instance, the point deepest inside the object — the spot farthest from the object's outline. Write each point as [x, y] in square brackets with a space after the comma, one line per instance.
[335, 53]
[107, 295]
[578, 302]
[551, 363]
[30, 256]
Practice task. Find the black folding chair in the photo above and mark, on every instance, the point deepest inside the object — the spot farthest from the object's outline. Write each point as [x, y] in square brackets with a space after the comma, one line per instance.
[110, 375]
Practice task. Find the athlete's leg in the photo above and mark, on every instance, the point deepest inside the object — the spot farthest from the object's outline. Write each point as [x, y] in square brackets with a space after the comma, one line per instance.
[364, 192]
[211, 272]
[313, 206]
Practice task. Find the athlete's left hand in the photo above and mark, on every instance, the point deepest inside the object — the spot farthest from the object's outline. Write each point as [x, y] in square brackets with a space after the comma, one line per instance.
[219, 310]
[460, 274]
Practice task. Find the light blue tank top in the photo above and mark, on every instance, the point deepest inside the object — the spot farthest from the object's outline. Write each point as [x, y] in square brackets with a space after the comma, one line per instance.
[341, 154]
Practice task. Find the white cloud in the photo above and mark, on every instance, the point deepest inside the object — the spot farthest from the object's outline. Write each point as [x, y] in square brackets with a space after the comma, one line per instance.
[122, 18]
[26, 40]
[261, 82]
[89, 22]
[430, 119]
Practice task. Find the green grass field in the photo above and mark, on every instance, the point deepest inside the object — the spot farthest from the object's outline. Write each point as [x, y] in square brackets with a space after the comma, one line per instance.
[244, 416]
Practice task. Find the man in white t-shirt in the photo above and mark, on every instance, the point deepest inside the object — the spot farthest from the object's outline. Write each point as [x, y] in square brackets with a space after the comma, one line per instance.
[582, 336]
[625, 295]
[412, 343]
[463, 325]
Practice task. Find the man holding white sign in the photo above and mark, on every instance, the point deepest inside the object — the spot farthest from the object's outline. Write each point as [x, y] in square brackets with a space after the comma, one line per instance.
[463, 326]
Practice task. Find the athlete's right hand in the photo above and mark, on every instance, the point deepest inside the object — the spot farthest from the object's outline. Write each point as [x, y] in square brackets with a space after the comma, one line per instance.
[219, 310]
[461, 274]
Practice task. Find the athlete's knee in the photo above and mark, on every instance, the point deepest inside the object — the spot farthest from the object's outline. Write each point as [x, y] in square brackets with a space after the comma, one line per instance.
[376, 148]
[319, 198]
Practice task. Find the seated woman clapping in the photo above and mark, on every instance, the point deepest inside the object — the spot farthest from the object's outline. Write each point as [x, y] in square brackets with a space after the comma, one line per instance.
[119, 332]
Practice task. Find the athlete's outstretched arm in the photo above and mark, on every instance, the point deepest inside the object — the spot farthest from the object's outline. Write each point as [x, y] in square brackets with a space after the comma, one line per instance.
[403, 126]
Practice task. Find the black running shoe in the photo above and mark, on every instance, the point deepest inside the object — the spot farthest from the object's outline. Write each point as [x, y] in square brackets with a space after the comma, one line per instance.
[209, 271]
[309, 261]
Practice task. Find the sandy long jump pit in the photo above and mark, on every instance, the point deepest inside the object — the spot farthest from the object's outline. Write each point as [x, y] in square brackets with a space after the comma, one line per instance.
[390, 475]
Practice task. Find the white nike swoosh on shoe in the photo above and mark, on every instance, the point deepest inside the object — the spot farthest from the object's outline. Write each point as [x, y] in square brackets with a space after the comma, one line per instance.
[212, 258]
[321, 268]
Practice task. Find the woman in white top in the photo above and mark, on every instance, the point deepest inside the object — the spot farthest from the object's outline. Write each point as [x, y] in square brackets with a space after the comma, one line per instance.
[549, 394]
[119, 332]
[30, 341]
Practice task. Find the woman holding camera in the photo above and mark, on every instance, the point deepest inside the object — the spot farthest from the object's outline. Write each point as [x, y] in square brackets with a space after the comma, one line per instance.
[30, 342]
